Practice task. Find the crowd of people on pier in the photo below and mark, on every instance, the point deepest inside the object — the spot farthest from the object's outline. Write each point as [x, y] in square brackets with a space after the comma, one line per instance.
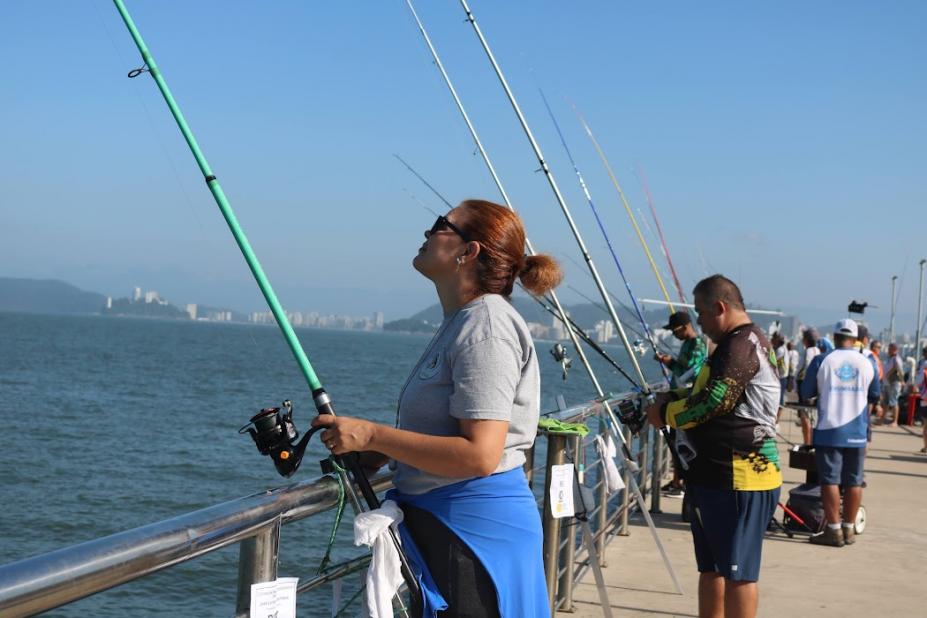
[469, 411]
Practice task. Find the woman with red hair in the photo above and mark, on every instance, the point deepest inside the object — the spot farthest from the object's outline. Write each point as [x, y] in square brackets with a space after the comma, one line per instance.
[467, 414]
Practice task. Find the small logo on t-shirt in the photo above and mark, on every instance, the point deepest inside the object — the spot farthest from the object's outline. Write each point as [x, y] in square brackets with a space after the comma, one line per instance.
[846, 372]
[430, 367]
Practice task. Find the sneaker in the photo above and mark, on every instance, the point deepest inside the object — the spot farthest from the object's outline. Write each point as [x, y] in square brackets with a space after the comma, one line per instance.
[675, 492]
[667, 487]
[849, 535]
[830, 537]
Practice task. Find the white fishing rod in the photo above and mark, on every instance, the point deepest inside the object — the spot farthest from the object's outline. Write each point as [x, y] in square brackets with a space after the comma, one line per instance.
[645, 387]
[498, 181]
[560, 200]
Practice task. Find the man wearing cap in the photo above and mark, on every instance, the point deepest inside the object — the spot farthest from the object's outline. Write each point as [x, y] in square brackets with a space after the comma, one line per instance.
[734, 476]
[842, 380]
[692, 353]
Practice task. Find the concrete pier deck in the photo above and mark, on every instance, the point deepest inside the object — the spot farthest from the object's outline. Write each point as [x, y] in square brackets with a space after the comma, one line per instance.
[882, 574]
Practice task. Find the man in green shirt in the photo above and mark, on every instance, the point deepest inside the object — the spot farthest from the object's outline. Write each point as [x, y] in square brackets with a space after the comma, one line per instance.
[692, 354]
[685, 368]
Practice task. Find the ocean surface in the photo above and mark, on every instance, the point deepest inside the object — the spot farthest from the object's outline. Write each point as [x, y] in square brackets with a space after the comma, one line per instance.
[110, 424]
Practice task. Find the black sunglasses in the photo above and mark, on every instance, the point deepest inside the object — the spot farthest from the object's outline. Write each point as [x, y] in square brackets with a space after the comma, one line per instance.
[442, 223]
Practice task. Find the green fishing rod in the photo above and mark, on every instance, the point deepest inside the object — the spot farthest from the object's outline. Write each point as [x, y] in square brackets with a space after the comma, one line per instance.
[273, 432]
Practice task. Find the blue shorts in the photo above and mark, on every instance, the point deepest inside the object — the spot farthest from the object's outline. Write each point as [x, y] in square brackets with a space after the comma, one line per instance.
[840, 465]
[783, 385]
[728, 530]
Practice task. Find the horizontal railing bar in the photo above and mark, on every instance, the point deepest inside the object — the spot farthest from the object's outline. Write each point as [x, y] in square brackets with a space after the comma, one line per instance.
[46, 581]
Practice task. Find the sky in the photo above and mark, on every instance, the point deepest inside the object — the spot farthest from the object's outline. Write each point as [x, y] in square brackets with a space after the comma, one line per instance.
[783, 144]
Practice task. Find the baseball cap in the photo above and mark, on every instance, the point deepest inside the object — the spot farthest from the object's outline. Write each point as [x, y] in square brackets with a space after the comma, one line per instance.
[847, 328]
[677, 319]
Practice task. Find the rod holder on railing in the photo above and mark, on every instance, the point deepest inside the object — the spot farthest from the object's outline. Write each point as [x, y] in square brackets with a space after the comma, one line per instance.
[658, 463]
[556, 454]
[567, 560]
[257, 562]
[626, 492]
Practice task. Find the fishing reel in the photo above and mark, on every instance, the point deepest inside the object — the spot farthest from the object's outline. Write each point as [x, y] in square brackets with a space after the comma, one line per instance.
[275, 434]
[632, 413]
[560, 355]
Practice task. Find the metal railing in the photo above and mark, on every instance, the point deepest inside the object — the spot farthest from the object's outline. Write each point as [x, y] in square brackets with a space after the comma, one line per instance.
[53, 579]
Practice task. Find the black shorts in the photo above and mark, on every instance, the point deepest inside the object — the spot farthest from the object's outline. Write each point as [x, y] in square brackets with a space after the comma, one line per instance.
[458, 573]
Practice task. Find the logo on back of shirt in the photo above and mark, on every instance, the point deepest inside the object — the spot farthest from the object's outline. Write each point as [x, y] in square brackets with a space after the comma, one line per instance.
[847, 372]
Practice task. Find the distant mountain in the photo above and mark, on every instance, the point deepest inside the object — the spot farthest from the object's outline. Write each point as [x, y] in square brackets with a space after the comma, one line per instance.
[586, 315]
[47, 296]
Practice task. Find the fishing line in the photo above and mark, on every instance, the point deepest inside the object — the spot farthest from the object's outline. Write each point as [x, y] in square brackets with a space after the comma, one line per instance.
[154, 128]
[653, 237]
[505, 198]
[627, 207]
[582, 183]
[630, 328]
[559, 313]
[556, 190]
[206, 240]
[639, 172]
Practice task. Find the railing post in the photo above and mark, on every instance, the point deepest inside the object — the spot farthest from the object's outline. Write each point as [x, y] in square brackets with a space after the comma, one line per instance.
[568, 555]
[643, 454]
[556, 452]
[657, 475]
[626, 492]
[602, 500]
[257, 562]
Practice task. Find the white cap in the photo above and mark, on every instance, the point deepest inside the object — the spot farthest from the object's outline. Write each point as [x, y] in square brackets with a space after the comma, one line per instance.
[847, 328]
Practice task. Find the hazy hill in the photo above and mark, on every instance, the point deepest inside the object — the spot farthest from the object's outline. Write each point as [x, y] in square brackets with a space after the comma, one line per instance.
[586, 315]
[47, 296]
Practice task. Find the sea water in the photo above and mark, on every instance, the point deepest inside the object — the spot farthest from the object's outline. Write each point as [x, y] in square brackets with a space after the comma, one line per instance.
[110, 424]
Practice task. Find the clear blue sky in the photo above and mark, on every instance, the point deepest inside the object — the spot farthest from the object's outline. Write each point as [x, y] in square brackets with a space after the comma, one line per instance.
[784, 143]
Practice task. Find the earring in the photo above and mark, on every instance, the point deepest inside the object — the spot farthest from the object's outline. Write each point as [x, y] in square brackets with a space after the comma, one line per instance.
[459, 260]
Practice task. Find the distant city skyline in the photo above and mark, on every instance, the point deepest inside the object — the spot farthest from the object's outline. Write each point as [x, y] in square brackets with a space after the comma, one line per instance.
[795, 169]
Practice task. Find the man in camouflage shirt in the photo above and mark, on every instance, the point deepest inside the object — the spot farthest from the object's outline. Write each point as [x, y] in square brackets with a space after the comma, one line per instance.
[734, 478]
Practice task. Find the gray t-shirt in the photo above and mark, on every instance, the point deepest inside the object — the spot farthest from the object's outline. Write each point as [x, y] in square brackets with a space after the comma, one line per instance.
[480, 365]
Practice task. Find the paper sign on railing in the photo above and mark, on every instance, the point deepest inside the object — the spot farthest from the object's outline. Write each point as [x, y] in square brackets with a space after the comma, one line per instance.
[561, 491]
[276, 599]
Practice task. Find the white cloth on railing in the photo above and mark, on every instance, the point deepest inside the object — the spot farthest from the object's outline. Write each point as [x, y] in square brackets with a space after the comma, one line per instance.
[607, 453]
[384, 576]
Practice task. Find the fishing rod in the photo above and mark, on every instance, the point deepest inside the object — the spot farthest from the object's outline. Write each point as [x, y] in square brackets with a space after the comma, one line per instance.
[560, 200]
[419, 176]
[653, 211]
[599, 306]
[645, 387]
[498, 182]
[627, 208]
[598, 220]
[614, 296]
[582, 335]
[273, 432]
[653, 238]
